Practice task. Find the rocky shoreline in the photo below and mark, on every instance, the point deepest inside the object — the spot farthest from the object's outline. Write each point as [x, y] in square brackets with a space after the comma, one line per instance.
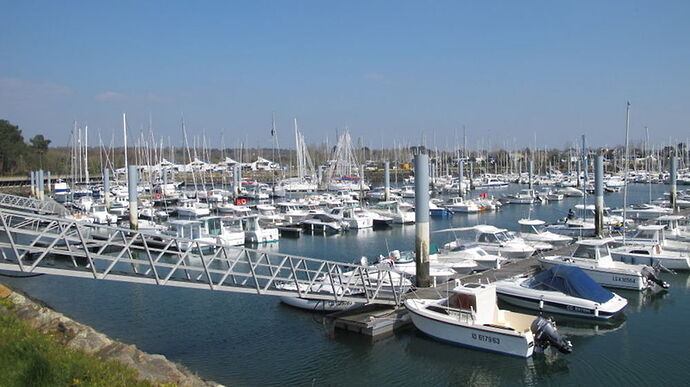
[152, 368]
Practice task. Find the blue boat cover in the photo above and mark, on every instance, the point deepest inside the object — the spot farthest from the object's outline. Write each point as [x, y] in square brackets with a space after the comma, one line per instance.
[572, 281]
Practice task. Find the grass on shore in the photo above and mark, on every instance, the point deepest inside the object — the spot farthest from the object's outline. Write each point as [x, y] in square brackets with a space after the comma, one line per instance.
[30, 358]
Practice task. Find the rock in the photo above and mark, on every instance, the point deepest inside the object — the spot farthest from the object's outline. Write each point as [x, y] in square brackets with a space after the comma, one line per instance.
[153, 368]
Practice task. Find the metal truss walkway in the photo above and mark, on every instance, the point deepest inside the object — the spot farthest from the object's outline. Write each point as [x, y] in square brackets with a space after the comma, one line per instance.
[33, 243]
[32, 205]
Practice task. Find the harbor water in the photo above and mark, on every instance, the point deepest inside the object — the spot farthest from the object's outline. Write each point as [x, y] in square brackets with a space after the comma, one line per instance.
[238, 339]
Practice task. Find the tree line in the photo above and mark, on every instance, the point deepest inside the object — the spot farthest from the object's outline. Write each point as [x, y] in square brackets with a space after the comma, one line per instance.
[17, 156]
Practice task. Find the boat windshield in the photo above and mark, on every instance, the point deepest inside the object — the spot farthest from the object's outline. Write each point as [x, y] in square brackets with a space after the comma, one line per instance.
[488, 238]
[587, 252]
[99, 209]
[504, 236]
[232, 224]
[214, 226]
[539, 229]
[646, 234]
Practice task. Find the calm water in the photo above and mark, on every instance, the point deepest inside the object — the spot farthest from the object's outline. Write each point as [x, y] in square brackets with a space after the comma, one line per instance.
[252, 340]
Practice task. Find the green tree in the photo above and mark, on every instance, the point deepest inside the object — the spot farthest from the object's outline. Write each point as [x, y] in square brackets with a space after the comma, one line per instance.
[11, 146]
[40, 145]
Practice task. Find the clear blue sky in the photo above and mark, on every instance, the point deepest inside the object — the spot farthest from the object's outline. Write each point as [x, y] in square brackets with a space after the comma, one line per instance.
[385, 69]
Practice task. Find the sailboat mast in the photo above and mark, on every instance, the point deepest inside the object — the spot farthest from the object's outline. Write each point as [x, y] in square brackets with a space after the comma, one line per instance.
[124, 130]
[625, 167]
[86, 153]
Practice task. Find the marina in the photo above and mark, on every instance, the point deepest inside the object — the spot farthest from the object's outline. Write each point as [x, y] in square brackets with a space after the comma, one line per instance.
[385, 326]
[344, 193]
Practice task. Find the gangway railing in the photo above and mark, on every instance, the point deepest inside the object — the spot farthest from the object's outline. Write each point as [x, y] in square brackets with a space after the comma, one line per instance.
[32, 243]
[23, 203]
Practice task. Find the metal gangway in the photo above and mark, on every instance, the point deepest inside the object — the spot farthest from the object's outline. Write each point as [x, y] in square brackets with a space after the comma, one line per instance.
[34, 243]
[23, 203]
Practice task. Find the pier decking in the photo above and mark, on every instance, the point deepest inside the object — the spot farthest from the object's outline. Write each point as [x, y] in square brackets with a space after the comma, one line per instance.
[374, 320]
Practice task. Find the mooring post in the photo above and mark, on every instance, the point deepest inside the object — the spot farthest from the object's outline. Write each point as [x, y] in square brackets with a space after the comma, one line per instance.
[471, 175]
[599, 195]
[461, 169]
[50, 189]
[386, 181]
[235, 181]
[132, 182]
[673, 171]
[41, 186]
[421, 179]
[361, 183]
[106, 188]
[33, 183]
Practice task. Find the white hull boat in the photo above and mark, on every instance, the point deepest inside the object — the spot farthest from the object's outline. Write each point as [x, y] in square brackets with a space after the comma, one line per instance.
[593, 257]
[563, 290]
[469, 317]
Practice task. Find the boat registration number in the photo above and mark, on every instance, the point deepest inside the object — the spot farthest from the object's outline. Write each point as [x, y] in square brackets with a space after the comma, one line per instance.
[623, 279]
[486, 339]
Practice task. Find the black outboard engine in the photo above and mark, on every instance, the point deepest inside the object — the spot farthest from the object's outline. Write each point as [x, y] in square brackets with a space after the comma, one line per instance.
[652, 276]
[545, 334]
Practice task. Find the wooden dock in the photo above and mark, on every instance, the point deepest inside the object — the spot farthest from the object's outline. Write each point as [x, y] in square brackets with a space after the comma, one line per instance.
[373, 320]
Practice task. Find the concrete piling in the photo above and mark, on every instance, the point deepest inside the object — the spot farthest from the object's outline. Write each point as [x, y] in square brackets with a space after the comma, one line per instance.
[599, 195]
[673, 170]
[41, 185]
[106, 187]
[132, 182]
[421, 179]
[32, 177]
[386, 181]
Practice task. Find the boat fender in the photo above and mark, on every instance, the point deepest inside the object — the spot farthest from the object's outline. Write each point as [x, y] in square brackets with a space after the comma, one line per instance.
[541, 304]
[545, 334]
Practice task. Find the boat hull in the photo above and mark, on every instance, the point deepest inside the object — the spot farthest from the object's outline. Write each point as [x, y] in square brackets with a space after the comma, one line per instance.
[611, 279]
[473, 337]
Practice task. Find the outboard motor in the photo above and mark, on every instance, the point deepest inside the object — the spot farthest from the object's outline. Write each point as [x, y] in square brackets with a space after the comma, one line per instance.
[652, 276]
[545, 334]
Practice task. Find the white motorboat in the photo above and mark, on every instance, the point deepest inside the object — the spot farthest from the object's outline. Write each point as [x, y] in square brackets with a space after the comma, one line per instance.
[189, 231]
[459, 254]
[401, 214]
[564, 290]
[100, 215]
[534, 232]
[223, 231]
[462, 206]
[230, 209]
[494, 240]
[572, 192]
[314, 304]
[653, 234]
[651, 254]
[321, 223]
[255, 233]
[354, 217]
[594, 258]
[404, 263]
[674, 231]
[573, 227]
[192, 208]
[554, 196]
[491, 182]
[524, 196]
[470, 317]
[292, 212]
[644, 211]
[268, 215]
